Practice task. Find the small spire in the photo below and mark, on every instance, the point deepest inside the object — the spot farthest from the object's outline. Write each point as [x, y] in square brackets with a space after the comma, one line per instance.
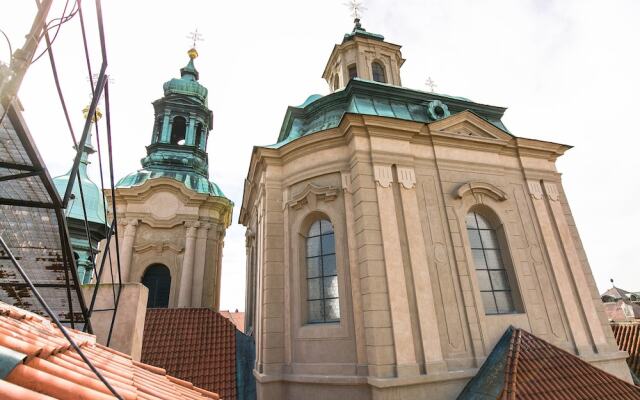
[190, 68]
[612, 285]
[356, 8]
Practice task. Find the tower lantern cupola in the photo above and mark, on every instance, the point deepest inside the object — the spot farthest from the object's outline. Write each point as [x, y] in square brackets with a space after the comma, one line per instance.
[180, 133]
[363, 55]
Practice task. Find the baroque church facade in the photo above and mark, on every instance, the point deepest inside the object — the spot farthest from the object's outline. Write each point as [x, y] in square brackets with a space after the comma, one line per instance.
[394, 235]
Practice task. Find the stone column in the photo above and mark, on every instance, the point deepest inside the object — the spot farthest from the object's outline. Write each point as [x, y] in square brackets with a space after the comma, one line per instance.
[198, 265]
[126, 252]
[190, 139]
[427, 317]
[186, 276]
[406, 364]
[559, 268]
[166, 128]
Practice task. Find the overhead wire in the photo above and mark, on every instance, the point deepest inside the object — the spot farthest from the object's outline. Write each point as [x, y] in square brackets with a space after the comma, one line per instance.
[8, 43]
[63, 19]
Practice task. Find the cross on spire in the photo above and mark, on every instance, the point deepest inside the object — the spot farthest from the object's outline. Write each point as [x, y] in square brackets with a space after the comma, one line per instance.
[195, 37]
[356, 8]
[431, 84]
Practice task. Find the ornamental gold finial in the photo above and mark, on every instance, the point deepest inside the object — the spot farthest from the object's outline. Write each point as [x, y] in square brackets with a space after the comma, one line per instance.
[194, 37]
[97, 115]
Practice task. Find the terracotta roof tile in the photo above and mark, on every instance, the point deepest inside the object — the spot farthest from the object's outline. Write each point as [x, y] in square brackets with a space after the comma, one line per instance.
[49, 368]
[628, 338]
[194, 344]
[237, 317]
[523, 366]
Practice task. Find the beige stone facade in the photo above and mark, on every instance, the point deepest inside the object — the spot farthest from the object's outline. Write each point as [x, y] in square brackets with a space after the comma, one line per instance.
[161, 222]
[412, 320]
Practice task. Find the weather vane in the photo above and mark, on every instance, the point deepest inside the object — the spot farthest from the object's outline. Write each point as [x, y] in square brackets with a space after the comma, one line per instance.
[356, 8]
[431, 84]
[195, 37]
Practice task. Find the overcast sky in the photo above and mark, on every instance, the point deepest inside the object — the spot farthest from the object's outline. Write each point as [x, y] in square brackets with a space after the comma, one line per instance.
[568, 71]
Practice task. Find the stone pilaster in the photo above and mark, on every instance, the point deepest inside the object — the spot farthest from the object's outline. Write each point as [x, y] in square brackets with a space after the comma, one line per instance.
[186, 276]
[406, 364]
[427, 317]
[198, 265]
[559, 268]
[126, 253]
[575, 267]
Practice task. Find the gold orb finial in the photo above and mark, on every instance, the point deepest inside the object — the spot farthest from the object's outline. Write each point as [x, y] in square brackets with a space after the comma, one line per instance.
[96, 117]
[193, 53]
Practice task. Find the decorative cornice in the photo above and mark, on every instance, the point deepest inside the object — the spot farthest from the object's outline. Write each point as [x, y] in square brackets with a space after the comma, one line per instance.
[481, 188]
[313, 193]
[383, 175]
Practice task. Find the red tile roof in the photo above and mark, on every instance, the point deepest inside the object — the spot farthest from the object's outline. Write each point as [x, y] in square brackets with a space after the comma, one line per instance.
[523, 366]
[51, 369]
[237, 317]
[628, 338]
[195, 344]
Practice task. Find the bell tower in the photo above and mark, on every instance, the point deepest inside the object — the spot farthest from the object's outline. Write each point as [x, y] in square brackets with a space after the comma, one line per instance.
[363, 55]
[171, 218]
[182, 124]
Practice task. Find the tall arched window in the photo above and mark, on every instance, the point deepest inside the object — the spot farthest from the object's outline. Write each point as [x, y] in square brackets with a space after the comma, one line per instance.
[489, 261]
[378, 72]
[178, 130]
[157, 279]
[323, 302]
[336, 82]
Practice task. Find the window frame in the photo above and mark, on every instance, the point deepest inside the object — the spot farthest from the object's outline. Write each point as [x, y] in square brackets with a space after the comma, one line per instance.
[502, 258]
[382, 70]
[321, 277]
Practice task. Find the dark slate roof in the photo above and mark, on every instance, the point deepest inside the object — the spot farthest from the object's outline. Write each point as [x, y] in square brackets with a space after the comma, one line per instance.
[194, 344]
[523, 366]
[628, 338]
[366, 97]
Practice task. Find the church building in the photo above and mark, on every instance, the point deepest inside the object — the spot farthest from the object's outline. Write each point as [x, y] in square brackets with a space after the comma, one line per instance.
[394, 236]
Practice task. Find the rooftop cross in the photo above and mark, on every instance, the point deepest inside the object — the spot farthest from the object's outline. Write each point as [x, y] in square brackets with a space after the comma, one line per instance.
[431, 84]
[195, 37]
[356, 8]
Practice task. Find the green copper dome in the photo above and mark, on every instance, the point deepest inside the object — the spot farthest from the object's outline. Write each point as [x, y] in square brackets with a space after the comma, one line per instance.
[93, 198]
[191, 180]
[187, 84]
[180, 134]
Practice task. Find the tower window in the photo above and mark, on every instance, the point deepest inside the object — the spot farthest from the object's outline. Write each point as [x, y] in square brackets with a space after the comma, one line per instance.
[157, 279]
[353, 71]
[322, 278]
[336, 83]
[178, 130]
[493, 279]
[377, 71]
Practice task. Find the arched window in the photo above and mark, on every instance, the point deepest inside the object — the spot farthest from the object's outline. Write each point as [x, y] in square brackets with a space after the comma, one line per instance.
[378, 72]
[336, 83]
[489, 261]
[157, 279]
[199, 143]
[178, 130]
[353, 71]
[323, 303]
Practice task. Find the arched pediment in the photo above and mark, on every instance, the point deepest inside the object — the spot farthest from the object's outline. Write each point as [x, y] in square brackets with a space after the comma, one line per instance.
[475, 188]
[311, 194]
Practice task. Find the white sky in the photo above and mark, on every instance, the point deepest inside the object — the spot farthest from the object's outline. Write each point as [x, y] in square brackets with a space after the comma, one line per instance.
[568, 71]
